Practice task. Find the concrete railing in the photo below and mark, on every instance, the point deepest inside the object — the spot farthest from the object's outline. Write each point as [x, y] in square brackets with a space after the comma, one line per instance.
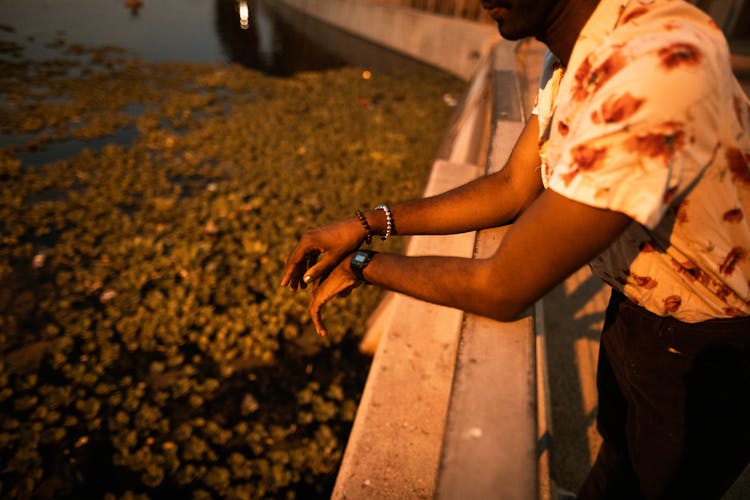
[452, 44]
[450, 407]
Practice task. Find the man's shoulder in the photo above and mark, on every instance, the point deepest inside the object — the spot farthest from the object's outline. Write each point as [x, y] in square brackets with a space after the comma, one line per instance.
[638, 11]
[659, 22]
[652, 47]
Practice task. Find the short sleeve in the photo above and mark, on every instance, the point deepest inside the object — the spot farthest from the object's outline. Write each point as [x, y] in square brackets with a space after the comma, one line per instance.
[637, 126]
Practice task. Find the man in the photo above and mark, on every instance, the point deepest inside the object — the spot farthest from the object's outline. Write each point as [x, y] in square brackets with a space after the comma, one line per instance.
[637, 161]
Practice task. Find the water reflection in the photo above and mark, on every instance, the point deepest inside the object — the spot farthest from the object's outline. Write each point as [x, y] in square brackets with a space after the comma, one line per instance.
[244, 12]
[280, 41]
[261, 34]
[252, 33]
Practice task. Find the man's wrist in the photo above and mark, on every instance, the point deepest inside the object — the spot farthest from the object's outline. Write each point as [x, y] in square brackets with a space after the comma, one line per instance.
[358, 261]
[377, 219]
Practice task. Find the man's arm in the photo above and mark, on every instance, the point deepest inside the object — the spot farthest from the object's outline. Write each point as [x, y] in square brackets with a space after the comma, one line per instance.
[548, 242]
[490, 201]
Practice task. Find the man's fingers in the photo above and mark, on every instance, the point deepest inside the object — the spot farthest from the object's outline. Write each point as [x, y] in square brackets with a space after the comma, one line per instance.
[316, 314]
[321, 268]
[291, 276]
[297, 264]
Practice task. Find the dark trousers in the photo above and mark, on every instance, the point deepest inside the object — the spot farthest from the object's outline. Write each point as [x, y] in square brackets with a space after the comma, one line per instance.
[674, 406]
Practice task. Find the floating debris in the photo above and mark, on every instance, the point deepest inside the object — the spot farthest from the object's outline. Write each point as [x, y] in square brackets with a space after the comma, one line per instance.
[39, 260]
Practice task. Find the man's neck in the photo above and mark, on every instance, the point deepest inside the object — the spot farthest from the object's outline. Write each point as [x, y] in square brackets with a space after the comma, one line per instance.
[566, 22]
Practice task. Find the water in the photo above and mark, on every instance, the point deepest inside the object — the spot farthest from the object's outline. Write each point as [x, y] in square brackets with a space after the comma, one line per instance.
[259, 34]
[269, 37]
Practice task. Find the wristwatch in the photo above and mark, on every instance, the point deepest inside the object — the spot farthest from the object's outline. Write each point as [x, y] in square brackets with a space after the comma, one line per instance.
[359, 262]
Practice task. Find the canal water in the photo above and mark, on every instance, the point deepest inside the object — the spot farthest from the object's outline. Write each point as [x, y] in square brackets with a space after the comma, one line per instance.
[259, 34]
[145, 212]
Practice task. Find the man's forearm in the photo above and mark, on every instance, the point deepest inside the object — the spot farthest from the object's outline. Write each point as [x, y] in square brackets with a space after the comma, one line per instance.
[450, 281]
[474, 206]
[551, 239]
[490, 201]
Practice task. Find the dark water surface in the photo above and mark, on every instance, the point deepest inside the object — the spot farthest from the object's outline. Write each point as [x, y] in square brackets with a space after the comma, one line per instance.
[259, 34]
[146, 208]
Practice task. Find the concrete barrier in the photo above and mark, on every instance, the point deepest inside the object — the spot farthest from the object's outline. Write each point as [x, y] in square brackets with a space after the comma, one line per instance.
[449, 409]
[395, 444]
[455, 45]
[490, 441]
[450, 405]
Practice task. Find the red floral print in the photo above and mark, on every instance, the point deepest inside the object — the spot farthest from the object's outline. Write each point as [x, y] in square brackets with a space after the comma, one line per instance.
[584, 158]
[617, 109]
[734, 312]
[644, 281]
[734, 257]
[739, 165]
[582, 75]
[722, 290]
[672, 303]
[691, 272]
[587, 81]
[710, 277]
[681, 212]
[607, 70]
[733, 216]
[568, 177]
[588, 158]
[680, 54]
[660, 143]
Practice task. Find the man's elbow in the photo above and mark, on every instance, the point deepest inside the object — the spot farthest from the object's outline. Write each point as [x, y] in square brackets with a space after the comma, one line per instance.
[506, 310]
[496, 302]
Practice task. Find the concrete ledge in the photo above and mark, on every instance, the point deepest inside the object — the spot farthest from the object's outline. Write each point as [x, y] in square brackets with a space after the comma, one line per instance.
[491, 437]
[455, 45]
[433, 420]
[394, 446]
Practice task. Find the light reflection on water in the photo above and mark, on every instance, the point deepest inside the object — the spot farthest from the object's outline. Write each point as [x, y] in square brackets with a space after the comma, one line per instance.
[261, 34]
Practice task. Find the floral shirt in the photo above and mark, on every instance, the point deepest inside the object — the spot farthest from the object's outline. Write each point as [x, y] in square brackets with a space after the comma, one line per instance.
[648, 120]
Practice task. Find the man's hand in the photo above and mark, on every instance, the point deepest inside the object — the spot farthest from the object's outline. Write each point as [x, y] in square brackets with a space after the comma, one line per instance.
[333, 242]
[341, 281]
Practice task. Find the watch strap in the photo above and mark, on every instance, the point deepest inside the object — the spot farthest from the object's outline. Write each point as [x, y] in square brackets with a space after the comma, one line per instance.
[359, 261]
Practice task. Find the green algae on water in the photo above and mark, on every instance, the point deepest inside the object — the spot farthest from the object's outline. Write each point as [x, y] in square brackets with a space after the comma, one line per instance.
[147, 350]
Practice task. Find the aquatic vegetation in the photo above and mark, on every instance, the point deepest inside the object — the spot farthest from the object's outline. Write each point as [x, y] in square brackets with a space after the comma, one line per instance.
[147, 349]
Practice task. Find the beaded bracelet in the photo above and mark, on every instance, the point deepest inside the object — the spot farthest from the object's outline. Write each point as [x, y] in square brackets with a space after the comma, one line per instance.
[366, 225]
[388, 220]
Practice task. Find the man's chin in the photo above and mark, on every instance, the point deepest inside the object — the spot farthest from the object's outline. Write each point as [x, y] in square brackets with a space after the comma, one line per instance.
[509, 34]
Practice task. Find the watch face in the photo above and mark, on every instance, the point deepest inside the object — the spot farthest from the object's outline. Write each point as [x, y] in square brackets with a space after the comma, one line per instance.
[359, 258]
